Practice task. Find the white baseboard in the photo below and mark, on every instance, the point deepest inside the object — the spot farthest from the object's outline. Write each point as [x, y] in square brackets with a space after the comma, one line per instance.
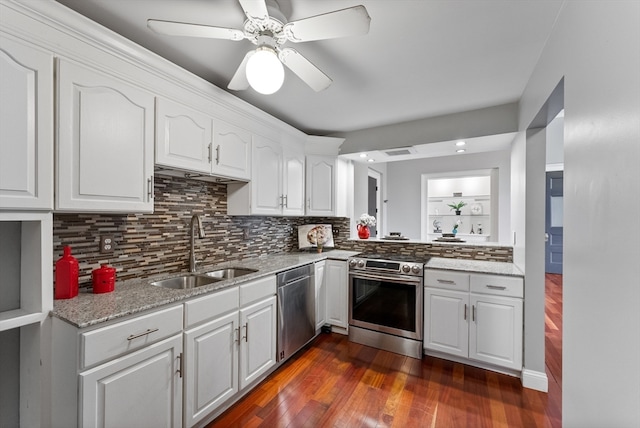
[535, 380]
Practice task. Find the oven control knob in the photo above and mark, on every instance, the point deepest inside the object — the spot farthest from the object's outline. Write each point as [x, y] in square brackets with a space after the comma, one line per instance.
[406, 268]
[360, 263]
[415, 269]
[352, 263]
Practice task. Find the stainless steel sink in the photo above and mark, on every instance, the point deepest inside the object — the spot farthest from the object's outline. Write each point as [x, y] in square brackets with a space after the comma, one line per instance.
[220, 274]
[186, 281]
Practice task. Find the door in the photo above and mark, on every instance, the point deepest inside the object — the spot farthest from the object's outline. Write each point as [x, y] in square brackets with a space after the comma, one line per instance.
[105, 144]
[183, 137]
[293, 183]
[26, 127]
[211, 366]
[266, 195]
[257, 340]
[231, 154]
[372, 204]
[321, 172]
[143, 389]
[553, 222]
[321, 294]
[446, 325]
[336, 278]
[495, 334]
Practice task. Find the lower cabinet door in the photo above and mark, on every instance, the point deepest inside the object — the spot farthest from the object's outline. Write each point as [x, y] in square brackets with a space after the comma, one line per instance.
[446, 327]
[211, 366]
[495, 333]
[142, 389]
[257, 340]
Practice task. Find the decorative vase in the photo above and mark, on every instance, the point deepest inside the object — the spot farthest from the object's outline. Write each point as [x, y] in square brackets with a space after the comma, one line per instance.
[458, 212]
[455, 230]
[363, 231]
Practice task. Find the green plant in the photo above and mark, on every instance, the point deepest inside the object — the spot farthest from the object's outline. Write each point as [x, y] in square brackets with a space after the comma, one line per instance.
[457, 206]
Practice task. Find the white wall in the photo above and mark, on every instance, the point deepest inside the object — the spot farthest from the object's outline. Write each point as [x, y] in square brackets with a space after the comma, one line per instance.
[360, 193]
[404, 188]
[601, 283]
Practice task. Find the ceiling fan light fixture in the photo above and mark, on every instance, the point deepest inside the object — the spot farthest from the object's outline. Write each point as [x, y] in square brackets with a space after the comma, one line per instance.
[265, 72]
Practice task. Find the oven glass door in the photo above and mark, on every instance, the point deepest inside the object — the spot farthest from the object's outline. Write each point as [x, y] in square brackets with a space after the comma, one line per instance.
[388, 304]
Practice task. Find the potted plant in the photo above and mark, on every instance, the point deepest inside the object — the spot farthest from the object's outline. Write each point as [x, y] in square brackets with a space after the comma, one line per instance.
[457, 206]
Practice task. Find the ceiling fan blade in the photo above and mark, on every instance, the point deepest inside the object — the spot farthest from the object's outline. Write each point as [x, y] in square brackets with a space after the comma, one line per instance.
[352, 21]
[304, 69]
[239, 80]
[256, 10]
[172, 28]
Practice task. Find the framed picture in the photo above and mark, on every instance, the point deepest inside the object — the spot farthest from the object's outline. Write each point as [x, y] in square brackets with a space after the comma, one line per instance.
[309, 235]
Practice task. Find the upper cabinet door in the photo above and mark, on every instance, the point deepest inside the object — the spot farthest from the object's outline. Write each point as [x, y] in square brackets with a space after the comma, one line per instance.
[183, 137]
[321, 172]
[26, 127]
[231, 151]
[293, 182]
[105, 143]
[266, 180]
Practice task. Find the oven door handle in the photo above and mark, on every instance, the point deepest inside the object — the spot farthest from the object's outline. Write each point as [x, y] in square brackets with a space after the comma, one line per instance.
[382, 277]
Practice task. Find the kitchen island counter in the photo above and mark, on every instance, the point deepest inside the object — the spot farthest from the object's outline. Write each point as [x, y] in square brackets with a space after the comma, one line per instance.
[138, 295]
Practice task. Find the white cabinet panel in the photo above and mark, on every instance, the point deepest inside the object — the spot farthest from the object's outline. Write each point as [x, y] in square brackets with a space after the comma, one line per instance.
[183, 137]
[293, 187]
[232, 151]
[142, 389]
[336, 277]
[105, 144]
[321, 293]
[211, 366]
[321, 173]
[445, 323]
[258, 340]
[26, 127]
[266, 180]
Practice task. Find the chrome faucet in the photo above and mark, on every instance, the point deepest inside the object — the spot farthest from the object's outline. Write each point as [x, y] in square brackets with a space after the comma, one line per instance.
[192, 254]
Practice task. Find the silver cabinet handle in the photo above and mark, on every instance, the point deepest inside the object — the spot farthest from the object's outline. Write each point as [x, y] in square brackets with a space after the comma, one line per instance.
[473, 312]
[282, 200]
[149, 331]
[246, 332]
[181, 364]
[496, 287]
[209, 149]
[446, 281]
[150, 187]
[286, 201]
[465, 311]
[218, 154]
[237, 335]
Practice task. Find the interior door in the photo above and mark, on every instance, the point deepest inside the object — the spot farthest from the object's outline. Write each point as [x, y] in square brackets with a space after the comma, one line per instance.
[372, 207]
[553, 222]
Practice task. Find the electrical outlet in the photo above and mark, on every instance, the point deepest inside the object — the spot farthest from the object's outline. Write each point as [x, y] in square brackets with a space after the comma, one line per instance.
[106, 244]
[336, 232]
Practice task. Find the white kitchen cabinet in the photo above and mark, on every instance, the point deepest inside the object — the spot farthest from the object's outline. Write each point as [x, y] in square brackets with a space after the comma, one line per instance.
[276, 186]
[336, 278]
[104, 376]
[231, 151]
[321, 185]
[26, 130]
[211, 366]
[183, 137]
[475, 317]
[258, 334]
[139, 389]
[321, 293]
[105, 143]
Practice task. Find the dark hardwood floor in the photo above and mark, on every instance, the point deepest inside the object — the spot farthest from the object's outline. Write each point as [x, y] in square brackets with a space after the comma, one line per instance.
[336, 383]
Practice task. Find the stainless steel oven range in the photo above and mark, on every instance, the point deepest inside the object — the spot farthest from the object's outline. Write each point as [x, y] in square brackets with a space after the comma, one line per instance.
[386, 302]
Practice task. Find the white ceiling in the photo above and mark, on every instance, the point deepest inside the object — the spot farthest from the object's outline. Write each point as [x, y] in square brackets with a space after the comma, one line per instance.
[421, 58]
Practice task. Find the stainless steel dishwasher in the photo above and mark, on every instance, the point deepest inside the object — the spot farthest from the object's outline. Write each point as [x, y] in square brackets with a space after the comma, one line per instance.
[296, 310]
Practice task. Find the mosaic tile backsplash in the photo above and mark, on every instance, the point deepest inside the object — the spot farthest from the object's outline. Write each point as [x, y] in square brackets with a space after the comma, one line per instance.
[150, 244]
[158, 243]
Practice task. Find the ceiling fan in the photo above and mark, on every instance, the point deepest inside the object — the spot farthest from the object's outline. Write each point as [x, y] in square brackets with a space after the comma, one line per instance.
[267, 28]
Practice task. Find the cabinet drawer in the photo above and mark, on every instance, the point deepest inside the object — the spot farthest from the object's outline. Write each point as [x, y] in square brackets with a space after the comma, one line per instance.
[255, 290]
[109, 342]
[211, 306]
[447, 280]
[498, 285]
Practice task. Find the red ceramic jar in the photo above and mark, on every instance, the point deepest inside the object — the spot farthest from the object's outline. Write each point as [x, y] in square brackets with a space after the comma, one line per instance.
[104, 279]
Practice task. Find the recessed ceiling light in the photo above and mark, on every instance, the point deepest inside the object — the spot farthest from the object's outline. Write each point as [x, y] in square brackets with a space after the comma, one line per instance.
[460, 151]
[370, 160]
[363, 155]
[460, 143]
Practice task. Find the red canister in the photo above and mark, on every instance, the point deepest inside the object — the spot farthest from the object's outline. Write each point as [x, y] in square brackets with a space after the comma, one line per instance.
[104, 279]
[66, 275]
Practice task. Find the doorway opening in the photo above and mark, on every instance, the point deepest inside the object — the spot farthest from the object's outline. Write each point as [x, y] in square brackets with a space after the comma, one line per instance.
[374, 200]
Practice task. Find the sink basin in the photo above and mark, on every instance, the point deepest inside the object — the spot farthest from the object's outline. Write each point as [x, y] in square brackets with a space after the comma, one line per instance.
[220, 274]
[186, 281]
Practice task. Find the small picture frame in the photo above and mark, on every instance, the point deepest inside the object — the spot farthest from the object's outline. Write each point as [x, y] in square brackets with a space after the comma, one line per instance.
[457, 194]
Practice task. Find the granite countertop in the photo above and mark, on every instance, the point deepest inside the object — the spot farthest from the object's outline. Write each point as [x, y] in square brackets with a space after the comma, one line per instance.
[475, 266]
[135, 296]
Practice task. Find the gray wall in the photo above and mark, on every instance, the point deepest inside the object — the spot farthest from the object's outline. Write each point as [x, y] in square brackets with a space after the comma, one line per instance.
[404, 188]
[601, 320]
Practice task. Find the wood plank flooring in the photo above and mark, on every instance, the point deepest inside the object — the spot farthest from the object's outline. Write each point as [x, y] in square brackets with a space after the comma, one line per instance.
[336, 383]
